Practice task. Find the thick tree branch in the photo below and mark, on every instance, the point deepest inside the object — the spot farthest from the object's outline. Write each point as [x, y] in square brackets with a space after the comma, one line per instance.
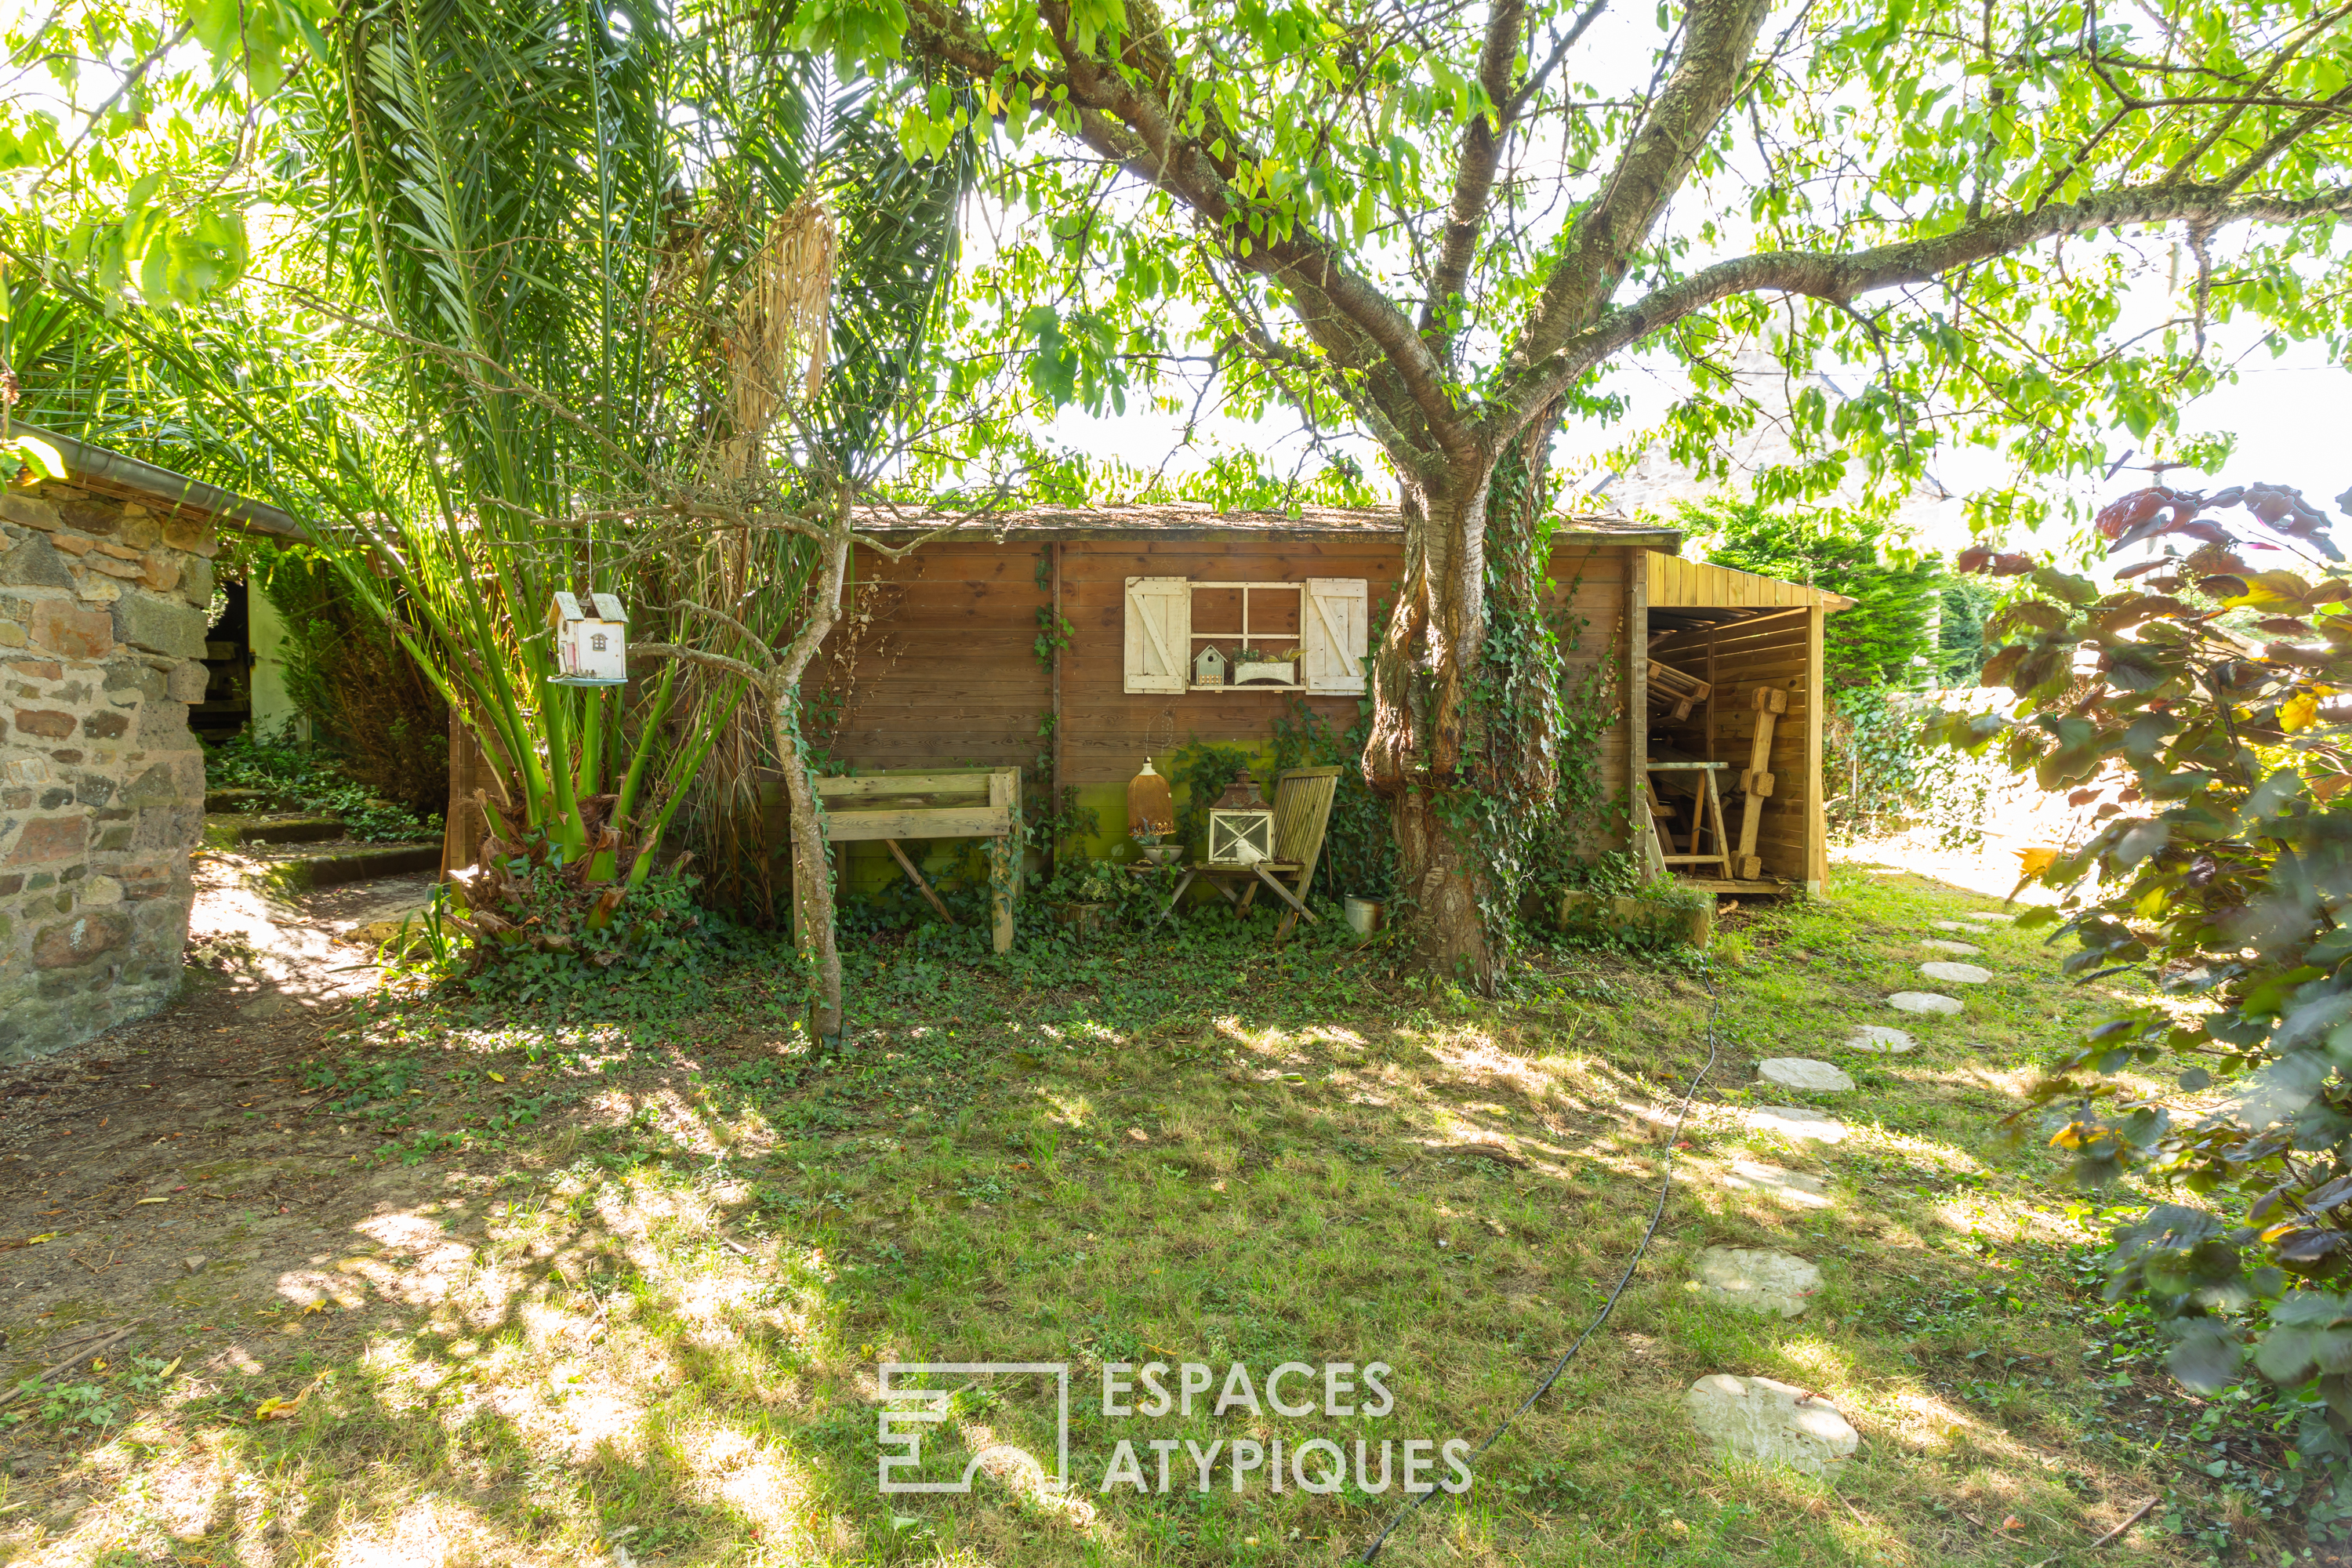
[1720, 38]
[1125, 114]
[1474, 175]
[1840, 278]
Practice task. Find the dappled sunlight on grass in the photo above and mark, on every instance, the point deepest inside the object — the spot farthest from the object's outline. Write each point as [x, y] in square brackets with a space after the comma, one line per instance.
[656, 1325]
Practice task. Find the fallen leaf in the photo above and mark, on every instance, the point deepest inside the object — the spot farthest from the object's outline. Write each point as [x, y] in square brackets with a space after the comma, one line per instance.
[99, 1365]
[36, 1240]
[498, 1078]
[2013, 1523]
[151, 1201]
[275, 1409]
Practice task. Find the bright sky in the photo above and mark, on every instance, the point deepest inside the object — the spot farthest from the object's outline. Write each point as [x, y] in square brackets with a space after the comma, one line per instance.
[2292, 417]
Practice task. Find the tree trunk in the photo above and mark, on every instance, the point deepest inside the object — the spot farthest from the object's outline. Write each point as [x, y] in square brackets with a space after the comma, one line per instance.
[813, 904]
[1448, 720]
[813, 923]
[1421, 718]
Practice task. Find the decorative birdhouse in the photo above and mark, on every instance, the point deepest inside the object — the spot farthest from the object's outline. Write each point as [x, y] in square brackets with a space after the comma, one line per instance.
[1208, 667]
[1241, 826]
[589, 649]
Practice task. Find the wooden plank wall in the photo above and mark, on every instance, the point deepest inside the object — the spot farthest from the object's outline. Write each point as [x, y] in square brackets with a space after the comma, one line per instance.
[1774, 653]
[1590, 583]
[1674, 581]
[939, 668]
[937, 664]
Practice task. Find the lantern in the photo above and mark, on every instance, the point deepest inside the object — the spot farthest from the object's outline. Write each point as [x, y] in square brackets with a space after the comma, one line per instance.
[1151, 808]
[1241, 826]
[590, 651]
[1208, 667]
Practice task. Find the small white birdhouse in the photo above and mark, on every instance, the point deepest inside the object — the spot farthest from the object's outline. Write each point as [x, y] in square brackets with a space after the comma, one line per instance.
[589, 649]
[1208, 667]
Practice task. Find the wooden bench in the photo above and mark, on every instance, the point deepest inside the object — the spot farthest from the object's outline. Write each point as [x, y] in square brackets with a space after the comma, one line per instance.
[933, 803]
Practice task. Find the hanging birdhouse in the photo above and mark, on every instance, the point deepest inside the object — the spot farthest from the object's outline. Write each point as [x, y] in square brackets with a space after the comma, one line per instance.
[1208, 667]
[1241, 826]
[589, 649]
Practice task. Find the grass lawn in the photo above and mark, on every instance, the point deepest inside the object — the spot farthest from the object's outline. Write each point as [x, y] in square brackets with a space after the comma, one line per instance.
[621, 1297]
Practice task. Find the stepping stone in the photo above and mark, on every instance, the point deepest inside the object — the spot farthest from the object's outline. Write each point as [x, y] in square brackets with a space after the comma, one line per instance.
[1767, 1422]
[1956, 974]
[1756, 1282]
[1879, 1040]
[1952, 925]
[1790, 1186]
[1800, 1123]
[1803, 1072]
[1923, 1002]
[1993, 915]
[1938, 944]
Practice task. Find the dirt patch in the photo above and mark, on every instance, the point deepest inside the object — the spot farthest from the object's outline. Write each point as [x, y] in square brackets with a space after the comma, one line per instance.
[171, 1177]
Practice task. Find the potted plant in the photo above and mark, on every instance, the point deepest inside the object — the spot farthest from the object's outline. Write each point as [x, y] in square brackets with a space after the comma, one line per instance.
[1265, 667]
[1155, 847]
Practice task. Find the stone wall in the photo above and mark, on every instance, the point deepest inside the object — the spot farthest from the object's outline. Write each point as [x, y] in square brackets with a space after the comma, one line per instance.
[102, 617]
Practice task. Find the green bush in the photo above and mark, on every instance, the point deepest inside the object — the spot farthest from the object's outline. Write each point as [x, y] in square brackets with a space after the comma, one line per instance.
[2197, 704]
[1884, 640]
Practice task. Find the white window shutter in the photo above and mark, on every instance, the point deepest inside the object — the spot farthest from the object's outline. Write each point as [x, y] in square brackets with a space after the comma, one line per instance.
[1159, 634]
[1337, 612]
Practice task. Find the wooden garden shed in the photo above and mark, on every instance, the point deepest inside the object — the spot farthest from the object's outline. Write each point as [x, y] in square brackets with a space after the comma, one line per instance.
[1071, 645]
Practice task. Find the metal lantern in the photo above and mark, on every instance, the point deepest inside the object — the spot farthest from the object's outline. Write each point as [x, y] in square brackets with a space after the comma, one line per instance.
[1241, 826]
[589, 649]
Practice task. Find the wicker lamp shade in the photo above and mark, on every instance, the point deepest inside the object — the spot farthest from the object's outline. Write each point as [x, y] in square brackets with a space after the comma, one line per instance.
[1151, 808]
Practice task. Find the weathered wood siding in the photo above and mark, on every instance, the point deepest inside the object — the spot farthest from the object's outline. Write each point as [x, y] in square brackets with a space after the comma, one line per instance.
[937, 664]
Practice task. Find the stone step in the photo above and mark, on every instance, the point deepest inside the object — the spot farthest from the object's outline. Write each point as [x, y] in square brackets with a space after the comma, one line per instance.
[226, 832]
[241, 799]
[345, 863]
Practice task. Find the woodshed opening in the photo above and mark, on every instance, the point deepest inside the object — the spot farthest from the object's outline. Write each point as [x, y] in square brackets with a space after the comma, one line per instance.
[1734, 754]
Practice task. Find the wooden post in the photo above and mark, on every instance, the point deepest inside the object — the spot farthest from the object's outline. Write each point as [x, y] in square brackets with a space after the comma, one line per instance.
[1005, 859]
[1643, 843]
[1817, 849]
[1054, 801]
[463, 829]
[1709, 753]
[1757, 782]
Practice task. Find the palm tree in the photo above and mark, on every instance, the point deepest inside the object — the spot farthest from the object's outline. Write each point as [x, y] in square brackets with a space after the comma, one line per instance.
[653, 285]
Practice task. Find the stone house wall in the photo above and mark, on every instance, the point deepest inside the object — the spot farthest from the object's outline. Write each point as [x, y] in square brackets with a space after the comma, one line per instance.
[102, 615]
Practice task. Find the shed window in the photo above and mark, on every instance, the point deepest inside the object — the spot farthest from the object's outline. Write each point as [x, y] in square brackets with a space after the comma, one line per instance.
[1324, 618]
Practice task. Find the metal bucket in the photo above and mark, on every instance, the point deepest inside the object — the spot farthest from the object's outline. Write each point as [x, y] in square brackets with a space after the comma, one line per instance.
[1367, 915]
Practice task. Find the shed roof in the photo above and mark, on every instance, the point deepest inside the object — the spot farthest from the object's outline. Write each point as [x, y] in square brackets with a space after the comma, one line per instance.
[1675, 582]
[102, 470]
[1194, 520]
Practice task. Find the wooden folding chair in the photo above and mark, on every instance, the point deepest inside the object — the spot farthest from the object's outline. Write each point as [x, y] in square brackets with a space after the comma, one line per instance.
[1302, 815]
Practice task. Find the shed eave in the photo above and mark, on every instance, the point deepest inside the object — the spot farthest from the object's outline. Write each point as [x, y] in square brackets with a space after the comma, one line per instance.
[86, 463]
